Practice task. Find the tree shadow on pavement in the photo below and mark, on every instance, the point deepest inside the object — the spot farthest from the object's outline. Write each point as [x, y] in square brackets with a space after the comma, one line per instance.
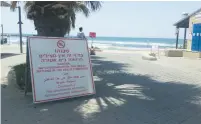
[5, 55]
[122, 98]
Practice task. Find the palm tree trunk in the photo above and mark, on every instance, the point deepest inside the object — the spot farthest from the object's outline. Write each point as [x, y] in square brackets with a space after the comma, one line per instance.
[50, 26]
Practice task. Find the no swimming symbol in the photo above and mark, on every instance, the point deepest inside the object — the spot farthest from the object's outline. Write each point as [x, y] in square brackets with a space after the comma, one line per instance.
[61, 44]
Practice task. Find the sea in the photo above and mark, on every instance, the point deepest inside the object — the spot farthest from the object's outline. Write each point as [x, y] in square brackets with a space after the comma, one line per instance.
[112, 43]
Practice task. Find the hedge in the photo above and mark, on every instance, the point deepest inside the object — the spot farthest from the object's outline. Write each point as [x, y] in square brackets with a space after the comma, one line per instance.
[20, 71]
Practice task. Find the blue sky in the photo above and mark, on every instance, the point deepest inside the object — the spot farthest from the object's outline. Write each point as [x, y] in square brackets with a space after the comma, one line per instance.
[121, 19]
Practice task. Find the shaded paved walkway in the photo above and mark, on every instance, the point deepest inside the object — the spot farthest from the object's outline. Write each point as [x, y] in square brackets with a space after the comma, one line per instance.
[129, 91]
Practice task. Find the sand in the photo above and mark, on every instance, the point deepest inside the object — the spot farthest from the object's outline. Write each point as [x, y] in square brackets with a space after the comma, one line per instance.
[129, 91]
[15, 48]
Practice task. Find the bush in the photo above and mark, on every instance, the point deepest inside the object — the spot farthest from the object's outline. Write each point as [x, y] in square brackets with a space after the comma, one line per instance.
[152, 54]
[20, 75]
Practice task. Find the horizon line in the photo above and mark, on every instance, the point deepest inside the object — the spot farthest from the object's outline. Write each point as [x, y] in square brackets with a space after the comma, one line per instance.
[99, 36]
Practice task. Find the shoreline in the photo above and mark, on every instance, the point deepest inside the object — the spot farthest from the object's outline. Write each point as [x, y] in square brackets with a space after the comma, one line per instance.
[97, 47]
[15, 48]
[110, 43]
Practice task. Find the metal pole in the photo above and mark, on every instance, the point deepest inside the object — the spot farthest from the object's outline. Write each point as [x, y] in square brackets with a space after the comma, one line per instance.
[177, 39]
[92, 42]
[20, 29]
[26, 70]
[2, 32]
[184, 44]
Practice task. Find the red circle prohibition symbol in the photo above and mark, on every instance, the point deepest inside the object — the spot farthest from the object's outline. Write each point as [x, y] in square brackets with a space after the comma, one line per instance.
[61, 44]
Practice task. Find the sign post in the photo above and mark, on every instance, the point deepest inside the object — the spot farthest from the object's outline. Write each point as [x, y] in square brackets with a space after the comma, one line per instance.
[58, 70]
[92, 35]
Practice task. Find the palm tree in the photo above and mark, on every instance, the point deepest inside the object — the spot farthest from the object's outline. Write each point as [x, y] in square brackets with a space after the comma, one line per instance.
[56, 18]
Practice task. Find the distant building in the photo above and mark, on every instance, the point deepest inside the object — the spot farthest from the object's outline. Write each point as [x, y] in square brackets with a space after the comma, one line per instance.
[194, 37]
[191, 24]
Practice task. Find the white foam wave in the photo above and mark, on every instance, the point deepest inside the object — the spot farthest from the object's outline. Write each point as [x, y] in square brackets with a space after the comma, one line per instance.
[108, 44]
[16, 40]
[132, 43]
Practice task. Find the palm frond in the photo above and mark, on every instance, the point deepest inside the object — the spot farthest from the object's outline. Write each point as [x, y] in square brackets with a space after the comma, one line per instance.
[62, 10]
[73, 18]
[13, 5]
[58, 6]
[82, 8]
[68, 28]
[28, 5]
[93, 5]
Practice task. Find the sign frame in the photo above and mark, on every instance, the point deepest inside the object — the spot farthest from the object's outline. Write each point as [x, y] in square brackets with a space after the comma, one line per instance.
[32, 73]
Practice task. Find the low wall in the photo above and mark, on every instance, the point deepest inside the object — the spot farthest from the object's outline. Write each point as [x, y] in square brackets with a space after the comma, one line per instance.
[191, 54]
[174, 53]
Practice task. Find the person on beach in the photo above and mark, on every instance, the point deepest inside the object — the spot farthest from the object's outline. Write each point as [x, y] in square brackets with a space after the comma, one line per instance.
[81, 34]
[92, 51]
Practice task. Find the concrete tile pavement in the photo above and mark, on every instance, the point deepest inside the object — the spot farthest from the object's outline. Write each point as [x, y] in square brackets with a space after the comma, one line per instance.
[134, 91]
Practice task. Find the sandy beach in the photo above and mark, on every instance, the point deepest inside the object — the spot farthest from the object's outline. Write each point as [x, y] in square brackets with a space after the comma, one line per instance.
[129, 90]
[15, 48]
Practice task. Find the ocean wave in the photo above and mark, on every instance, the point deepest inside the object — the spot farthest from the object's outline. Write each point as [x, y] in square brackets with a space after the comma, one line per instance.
[132, 44]
[112, 44]
[16, 40]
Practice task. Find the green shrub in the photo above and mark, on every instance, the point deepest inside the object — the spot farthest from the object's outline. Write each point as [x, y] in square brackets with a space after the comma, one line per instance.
[152, 54]
[20, 75]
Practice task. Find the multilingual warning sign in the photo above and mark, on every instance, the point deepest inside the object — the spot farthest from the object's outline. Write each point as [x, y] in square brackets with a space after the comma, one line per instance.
[60, 68]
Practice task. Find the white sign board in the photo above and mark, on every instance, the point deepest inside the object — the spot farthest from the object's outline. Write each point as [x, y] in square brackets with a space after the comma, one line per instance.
[60, 68]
